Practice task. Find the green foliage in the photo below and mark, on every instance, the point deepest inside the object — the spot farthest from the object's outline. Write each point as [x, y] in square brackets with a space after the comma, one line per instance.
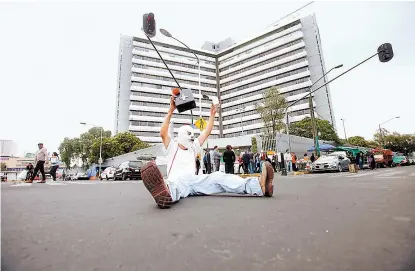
[304, 128]
[254, 147]
[404, 143]
[3, 166]
[120, 144]
[357, 141]
[272, 110]
[86, 147]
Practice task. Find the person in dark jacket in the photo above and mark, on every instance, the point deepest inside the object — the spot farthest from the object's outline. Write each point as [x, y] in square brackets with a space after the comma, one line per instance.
[229, 159]
[208, 165]
[246, 158]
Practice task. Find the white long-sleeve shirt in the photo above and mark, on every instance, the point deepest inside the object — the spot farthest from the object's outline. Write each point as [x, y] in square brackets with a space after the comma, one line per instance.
[41, 155]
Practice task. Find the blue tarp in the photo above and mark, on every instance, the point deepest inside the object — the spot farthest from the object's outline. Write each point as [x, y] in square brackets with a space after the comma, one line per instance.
[323, 147]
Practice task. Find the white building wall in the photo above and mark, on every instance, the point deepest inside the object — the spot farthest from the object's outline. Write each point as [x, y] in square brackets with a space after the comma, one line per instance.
[288, 56]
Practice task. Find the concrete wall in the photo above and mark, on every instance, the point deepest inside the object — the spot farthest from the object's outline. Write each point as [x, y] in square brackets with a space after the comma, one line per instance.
[122, 108]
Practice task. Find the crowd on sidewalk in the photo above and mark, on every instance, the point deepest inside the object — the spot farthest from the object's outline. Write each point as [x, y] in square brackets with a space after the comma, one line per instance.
[248, 162]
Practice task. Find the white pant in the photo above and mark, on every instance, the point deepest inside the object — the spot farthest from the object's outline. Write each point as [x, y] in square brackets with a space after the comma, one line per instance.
[217, 182]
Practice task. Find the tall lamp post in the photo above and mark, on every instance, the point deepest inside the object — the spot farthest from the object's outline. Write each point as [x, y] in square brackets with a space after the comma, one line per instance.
[344, 129]
[382, 138]
[169, 35]
[100, 145]
[241, 110]
[311, 109]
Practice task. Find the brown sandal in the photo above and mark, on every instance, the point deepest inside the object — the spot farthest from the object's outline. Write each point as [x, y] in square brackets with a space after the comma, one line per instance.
[154, 182]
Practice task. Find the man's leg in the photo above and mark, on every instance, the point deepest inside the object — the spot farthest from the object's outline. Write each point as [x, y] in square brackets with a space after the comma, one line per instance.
[217, 165]
[36, 170]
[219, 182]
[42, 170]
[154, 182]
[226, 168]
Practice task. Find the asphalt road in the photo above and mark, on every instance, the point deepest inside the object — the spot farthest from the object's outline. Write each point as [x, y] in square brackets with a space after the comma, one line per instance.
[343, 221]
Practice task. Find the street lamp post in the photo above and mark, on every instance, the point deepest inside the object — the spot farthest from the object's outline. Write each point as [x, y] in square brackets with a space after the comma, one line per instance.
[382, 138]
[169, 35]
[100, 146]
[241, 110]
[311, 109]
[344, 129]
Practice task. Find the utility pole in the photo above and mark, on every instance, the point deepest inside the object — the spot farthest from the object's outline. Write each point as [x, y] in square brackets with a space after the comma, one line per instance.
[313, 123]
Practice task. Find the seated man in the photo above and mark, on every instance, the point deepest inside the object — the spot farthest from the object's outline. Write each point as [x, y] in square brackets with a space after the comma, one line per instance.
[181, 180]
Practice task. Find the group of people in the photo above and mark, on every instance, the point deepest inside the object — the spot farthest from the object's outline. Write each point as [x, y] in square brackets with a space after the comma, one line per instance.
[42, 159]
[211, 160]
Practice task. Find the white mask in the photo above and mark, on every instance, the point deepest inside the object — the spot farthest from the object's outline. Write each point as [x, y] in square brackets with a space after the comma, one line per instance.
[186, 136]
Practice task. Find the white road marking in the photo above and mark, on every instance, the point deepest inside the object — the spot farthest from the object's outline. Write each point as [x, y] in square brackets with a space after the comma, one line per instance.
[358, 175]
[389, 174]
[21, 184]
[412, 175]
[50, 183]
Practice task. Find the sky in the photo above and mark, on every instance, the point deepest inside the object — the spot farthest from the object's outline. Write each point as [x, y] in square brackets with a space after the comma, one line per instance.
[58, 60]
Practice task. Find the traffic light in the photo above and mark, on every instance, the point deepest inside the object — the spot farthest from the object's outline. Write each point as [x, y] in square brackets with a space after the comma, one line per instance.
[385, 52]
[149, 24]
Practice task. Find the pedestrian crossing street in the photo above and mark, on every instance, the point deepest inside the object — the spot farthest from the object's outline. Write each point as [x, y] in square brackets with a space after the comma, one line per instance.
[394, 173]
[60, 183]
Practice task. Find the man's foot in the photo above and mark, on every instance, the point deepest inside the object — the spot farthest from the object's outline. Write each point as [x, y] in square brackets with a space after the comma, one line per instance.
[28, 181]
[266, 178]
[154, 182]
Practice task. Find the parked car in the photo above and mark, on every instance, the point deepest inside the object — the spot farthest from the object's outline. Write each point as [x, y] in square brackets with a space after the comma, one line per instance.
[80, 175]
[128, 170]
[331, 162]
[108, 173]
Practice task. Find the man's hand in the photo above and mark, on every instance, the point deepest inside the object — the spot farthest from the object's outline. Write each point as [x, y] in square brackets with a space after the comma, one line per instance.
[213, 110]
[208, 129]
[172, 105]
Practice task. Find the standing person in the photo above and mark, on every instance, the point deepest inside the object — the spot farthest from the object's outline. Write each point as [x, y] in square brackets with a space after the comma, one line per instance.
[212, 160]
[241, 164]
[216, 158]
[288, 160]
[372, 162]
[358, 157]
[205, 162]
[312, 158]
[229, 159]
[54, 160]
[274, 162]
[197, 165]
[361, 161]
[246, 159]
[294, 161]
[41, 159]
[251, 162]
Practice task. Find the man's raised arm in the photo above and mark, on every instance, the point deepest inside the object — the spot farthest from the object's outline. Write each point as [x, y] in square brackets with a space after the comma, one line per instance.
[164, 131]
[205, 134]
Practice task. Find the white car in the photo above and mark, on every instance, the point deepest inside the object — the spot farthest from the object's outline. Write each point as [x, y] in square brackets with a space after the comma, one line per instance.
[331, 162]
[108, 173]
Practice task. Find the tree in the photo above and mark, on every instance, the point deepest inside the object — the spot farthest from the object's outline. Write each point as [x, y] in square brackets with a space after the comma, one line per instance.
[113, 146]
[80, 147]
[254, 147]
[357, 141]
[404, 143]
[3, 166]
[304, 128]
[272, 110]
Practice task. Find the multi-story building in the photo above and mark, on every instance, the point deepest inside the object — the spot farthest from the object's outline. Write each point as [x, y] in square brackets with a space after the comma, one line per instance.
[287, 56]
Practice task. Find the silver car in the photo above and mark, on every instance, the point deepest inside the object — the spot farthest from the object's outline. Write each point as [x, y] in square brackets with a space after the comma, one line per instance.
[331, 162]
